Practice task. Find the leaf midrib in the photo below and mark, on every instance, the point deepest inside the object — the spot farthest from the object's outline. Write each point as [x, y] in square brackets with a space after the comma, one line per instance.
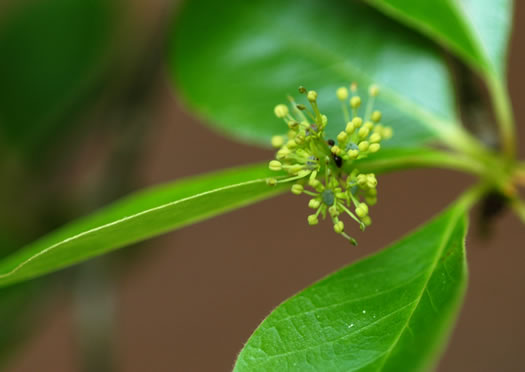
[124, 219]
[357, 331]
[446, 238]
[353, 300]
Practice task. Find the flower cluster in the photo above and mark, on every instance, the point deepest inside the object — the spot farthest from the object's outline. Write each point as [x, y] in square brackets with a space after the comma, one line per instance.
[325, 165]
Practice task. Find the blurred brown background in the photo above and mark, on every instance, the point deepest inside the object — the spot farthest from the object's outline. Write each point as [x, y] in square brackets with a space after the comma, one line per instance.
[188, 300]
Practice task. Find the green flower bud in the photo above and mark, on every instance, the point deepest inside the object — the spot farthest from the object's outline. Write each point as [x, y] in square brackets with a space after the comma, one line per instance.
[376, 116]
[374, 147]
[363, 146]
[283, 153]
[349, 127]
[361, 210]
[353, 154]
[275, 165]
[292, 124]
[371, 200]
[369, 125]
[357, 121]
[311, 96]
[281, 111]
[374, 138]
[314, 203]
[277, 141]
[312, 220]
[363, 132]
[362, 180]
[342, 136]
[314, 182]
[305, 124]
[271, 181]
[367, 220]
[371, 180]
[355, 102]
[297, 189]
[342, 93]
[335, 150]
[339, 227]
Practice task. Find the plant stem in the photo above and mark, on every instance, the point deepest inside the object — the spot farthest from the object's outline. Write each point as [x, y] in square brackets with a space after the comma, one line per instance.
[472, 195]
[421, 159]
[503, 111]
[519, 175]
[519, 207]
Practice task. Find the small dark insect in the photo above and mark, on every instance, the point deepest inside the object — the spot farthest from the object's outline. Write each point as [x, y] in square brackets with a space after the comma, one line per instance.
[331, 142]
[338, 161]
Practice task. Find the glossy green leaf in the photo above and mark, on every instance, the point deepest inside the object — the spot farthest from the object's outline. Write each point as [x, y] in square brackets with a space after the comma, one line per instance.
[233, 64]
[389, 312]
[53, 55]
[476, 30]
[160, 209]
[139, 217]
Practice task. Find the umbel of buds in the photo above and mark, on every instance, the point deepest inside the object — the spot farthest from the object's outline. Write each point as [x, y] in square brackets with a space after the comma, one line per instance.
[322, 167]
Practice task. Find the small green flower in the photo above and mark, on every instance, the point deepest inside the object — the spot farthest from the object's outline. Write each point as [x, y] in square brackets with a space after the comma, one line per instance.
[325, 165]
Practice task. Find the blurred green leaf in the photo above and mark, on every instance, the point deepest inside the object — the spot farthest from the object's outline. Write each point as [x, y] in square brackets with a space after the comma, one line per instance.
[389, 312]
[52, 52]
[476, 30]
[138, 217]
[234, 63]
[160, 209]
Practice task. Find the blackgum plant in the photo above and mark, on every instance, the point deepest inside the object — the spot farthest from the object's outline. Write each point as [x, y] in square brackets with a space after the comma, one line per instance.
[312, 160]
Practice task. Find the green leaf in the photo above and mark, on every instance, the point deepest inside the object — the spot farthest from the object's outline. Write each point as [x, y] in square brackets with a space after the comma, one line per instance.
[389, 312]
[139, 217]
[53, 55]
[476, 30]
[160, 209]
[234, 63]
